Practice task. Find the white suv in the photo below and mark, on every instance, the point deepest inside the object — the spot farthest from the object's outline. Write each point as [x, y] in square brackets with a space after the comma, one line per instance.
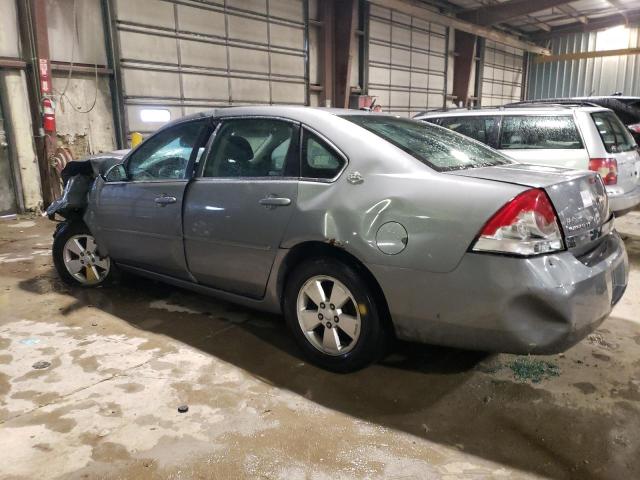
[577, 137]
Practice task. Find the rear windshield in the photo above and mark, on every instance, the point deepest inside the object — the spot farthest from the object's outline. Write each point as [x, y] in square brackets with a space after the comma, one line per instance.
[614, 135]
[539, 132]
[434, 146]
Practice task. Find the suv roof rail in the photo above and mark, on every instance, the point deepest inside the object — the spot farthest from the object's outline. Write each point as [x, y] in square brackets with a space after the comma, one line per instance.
[557, 102]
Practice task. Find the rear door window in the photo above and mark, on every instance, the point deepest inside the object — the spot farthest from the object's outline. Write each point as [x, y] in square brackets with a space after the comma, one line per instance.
[615, 137]
[318, 159]
[484, 129]
[520, 132]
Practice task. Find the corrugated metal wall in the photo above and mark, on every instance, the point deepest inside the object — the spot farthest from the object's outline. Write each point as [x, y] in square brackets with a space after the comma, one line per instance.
[584, 77]
[407, 62]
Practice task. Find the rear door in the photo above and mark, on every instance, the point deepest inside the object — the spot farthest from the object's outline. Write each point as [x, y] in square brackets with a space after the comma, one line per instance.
[619, 144]
[238, 208]
[543, 139]
[139, 219]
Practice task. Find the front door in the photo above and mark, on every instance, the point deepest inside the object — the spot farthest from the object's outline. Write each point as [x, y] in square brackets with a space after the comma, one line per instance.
[139, 218]
[238, 207]
[7, 193]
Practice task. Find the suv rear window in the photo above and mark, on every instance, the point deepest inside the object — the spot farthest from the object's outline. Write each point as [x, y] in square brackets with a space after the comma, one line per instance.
[434, 146]
[539, 132]
[614, 135]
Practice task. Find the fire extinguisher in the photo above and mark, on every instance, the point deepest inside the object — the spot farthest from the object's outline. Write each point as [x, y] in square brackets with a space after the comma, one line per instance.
[48, 116]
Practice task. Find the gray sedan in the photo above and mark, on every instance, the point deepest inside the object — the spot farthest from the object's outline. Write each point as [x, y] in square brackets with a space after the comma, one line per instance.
[358, 227]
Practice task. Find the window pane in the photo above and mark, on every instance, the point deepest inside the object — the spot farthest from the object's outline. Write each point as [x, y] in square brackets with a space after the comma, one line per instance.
[615, 136]
[434, 146]
[257, 147]
[478, 128]
[166, 155]
[539, 132]
[319, 160]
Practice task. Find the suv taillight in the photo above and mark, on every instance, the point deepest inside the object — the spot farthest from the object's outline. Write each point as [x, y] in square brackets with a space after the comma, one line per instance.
[607, 168]
[527, 225]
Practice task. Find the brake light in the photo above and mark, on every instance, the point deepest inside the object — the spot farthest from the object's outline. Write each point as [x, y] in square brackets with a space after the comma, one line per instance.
[607, 168]
[635, 128]
[527, 225]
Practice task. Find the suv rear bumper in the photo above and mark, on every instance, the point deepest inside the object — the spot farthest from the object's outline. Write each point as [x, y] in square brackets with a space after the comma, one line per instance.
[625, 201]
[498, 303]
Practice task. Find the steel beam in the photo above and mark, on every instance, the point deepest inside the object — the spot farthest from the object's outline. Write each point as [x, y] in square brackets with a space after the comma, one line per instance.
[415, 10]
[345, 31]
[581, 55]
[631, 17]
[327, 51]
[503, 12]
[462, 65]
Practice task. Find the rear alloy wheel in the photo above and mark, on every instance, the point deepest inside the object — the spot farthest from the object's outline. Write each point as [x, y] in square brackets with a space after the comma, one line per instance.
[333, 315]
[76, 257]
[328, 315]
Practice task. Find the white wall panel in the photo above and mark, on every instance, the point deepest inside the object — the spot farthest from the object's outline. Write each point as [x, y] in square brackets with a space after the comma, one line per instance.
[502, 74]
[407, 62]
[9, 37]
[87, 44]
[186, 55]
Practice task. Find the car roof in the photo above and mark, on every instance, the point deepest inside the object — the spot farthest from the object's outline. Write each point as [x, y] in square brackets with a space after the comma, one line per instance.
[294, 112]
[515, 110]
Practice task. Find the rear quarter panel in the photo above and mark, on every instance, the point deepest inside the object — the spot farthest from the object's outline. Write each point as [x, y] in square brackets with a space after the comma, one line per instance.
[442, 215]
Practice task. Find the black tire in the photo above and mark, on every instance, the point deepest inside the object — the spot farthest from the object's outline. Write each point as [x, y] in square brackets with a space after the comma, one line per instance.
[372, 341]
[62, 235]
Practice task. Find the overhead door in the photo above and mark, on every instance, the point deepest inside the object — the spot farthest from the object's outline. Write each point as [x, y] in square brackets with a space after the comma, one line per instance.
[502, 74]
[182, 56]
[407, 62]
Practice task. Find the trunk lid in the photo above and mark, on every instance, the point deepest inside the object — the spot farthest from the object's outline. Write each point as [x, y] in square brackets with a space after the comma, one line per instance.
[579, 198]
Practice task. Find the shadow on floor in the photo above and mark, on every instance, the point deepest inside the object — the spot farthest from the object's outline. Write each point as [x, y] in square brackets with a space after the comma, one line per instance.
[438, 394]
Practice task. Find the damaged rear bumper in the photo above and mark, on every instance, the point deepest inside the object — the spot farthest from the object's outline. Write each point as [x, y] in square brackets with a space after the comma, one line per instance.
[496, 303]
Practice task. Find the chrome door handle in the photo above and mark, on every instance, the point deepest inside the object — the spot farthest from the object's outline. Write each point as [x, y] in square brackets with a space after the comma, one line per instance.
[275, 202]
[162, 201]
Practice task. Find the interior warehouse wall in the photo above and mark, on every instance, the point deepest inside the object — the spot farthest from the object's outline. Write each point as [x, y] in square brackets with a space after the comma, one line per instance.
[589, 76]
[17, 113]
[186, 56]
[84, 118]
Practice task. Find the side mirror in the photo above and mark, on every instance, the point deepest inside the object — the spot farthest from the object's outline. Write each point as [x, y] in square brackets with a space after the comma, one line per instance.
[116, 173]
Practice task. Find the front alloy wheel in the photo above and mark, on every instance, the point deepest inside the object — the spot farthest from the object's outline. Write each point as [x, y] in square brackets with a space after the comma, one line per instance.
[76, 257]
[83, 262]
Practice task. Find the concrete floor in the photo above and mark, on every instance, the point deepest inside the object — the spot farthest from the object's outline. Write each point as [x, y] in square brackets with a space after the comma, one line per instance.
[123, 359]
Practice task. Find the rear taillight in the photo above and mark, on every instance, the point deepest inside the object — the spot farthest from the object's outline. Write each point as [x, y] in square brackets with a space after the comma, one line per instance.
[527, 225]
[635, 128]
[607, 168]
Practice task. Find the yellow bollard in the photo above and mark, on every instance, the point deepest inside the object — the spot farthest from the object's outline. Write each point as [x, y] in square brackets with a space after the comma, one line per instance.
[136, 139]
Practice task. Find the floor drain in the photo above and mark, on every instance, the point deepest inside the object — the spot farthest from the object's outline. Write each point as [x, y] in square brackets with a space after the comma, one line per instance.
[41, 364]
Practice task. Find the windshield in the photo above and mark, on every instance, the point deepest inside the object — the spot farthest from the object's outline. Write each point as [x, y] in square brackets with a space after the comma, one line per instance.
[434, 146]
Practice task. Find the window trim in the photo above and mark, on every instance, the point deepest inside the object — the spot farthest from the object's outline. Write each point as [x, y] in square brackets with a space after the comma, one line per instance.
[331, 145]
[206, 122]
[199, 174]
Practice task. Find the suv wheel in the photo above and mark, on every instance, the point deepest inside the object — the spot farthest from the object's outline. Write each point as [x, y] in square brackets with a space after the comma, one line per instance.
[76, 258]
[333, 315]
